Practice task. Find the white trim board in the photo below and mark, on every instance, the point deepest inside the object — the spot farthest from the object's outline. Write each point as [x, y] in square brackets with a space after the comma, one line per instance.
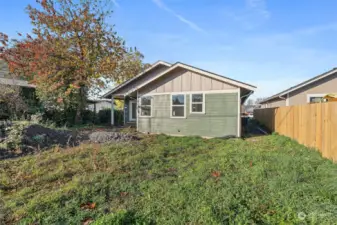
[235, 90]
[239, 113]
[205, 73]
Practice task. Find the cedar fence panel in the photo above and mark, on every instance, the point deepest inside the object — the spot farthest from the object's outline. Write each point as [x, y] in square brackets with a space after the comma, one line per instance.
[313, 125]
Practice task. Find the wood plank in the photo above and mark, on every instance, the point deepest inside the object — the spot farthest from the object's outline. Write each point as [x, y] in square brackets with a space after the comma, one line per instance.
[319, 120]
[333, 131]
[314, 125]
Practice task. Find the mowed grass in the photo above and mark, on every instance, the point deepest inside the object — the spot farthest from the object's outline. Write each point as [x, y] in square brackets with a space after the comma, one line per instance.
[172, 180]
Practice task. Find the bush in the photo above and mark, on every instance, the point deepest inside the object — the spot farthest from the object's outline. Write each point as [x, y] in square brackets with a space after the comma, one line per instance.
[89, 117]
[104, 116]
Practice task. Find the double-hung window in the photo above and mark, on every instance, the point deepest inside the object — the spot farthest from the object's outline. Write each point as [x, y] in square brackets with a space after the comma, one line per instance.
[197, 103]
[178, 106]
[146, 106]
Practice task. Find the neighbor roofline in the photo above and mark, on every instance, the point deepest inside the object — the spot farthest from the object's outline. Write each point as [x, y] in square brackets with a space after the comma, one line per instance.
[159, 62]
[204, 72]
[16, 82]
[301, 85]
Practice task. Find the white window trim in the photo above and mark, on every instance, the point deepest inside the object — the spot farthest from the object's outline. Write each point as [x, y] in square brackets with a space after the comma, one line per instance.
[314, 95]
[171, 106]
[130, 110]
[140, 104]
[203, 103]
[192, 92]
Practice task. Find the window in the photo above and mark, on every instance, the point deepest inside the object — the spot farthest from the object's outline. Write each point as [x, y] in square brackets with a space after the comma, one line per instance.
[146, 106]
[316, 98]
[197, 103]
[178, 106]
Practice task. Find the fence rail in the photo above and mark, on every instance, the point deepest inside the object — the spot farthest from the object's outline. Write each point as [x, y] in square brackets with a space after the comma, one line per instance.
[313, 125]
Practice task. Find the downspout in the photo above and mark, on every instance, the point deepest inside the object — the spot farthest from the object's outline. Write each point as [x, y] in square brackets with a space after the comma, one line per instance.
[286, 99]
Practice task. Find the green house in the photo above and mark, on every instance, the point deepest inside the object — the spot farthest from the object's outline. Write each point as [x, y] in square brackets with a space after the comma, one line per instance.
[179, 99]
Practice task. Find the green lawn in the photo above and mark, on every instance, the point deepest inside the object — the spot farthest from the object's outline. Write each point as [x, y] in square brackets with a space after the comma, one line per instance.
[171, 180]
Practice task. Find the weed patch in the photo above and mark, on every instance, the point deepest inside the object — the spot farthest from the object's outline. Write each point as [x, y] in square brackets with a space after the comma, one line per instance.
[172, 180]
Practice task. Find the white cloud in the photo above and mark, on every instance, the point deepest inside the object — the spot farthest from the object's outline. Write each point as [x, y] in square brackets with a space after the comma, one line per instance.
[191, 24]
[115, 3]
[251, 15]
[259, 6]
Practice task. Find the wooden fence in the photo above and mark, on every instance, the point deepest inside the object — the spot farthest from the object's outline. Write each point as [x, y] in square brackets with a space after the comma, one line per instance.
[313, 125]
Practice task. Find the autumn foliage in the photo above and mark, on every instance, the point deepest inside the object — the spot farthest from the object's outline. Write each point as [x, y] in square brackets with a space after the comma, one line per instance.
[71, 50]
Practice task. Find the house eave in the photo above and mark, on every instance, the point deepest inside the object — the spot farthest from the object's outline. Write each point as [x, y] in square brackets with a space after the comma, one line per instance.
[110, 93]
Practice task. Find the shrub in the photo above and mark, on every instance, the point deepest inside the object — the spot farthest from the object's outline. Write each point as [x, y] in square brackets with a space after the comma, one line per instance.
[104, 116]
[89, 117]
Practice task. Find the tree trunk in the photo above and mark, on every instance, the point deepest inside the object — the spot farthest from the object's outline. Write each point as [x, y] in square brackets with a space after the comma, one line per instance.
[81, 106]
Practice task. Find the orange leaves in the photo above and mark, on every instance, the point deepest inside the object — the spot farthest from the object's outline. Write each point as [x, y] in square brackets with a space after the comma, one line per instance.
[216, 174]
[88, 205]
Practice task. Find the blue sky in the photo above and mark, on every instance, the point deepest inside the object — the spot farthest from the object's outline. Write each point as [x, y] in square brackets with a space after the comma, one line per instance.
[272, 44]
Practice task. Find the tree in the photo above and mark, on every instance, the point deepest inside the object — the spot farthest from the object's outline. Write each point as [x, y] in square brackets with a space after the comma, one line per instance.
[250, 102]
[12, 103]
[71, 50]
[258, 100]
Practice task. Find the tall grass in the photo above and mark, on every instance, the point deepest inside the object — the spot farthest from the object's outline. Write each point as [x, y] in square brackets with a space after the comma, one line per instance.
[171, 180]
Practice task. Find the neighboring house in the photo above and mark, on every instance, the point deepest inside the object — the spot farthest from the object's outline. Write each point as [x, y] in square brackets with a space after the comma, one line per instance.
[180, 99]
[5, 77]
[309, 91]
[97, 105]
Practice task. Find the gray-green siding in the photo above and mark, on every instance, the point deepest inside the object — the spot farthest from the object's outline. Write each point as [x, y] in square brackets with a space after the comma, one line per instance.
[220, 118]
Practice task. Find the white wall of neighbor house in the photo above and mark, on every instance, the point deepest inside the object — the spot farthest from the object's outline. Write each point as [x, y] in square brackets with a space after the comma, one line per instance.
[99, 106]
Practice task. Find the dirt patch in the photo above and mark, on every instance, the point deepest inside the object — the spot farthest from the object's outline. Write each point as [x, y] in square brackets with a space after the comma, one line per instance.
[36, 138]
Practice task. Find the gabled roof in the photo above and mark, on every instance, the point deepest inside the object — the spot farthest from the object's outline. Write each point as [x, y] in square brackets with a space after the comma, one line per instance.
[136, 77]
[185, 66]
[301, 85]
[203, 72]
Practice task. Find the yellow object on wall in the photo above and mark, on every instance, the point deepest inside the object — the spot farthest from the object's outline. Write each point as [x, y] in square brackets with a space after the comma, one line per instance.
[331, 97]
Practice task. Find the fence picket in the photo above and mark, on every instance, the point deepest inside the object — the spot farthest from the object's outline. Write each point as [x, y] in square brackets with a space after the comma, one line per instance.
[314, 125]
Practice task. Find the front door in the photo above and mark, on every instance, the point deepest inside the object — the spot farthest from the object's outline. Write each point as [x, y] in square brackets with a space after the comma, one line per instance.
[133, 110]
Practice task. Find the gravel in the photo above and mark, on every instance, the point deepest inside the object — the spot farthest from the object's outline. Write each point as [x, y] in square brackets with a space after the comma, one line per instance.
[106, 137]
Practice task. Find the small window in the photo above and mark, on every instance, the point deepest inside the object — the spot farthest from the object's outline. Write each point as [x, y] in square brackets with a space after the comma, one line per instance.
[178, 106]
[197, 103]
[146, 106]
[316, 98]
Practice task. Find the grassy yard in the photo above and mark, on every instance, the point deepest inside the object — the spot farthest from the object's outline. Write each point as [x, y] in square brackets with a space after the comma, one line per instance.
[171, 180]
